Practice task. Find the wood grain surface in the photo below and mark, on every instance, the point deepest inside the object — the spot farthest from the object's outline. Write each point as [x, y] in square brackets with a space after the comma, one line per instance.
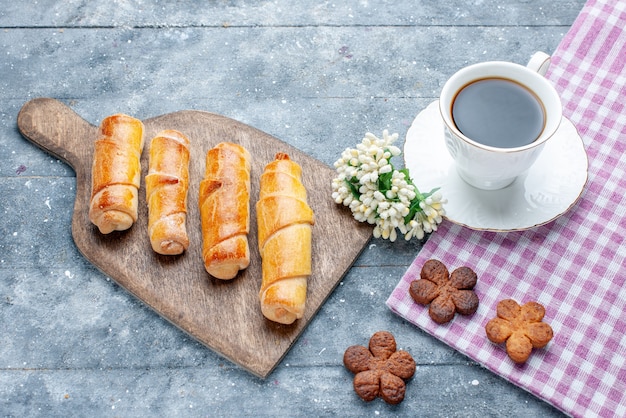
[224, 316]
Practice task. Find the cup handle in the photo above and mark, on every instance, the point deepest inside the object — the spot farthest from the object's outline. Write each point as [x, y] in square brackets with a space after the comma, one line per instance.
[539, 62]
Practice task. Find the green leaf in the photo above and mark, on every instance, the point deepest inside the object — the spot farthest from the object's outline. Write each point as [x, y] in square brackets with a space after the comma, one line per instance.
[407, 177]
[384, 182]
[426, 195]
[413, 209]
[415, 204]
[353, 189]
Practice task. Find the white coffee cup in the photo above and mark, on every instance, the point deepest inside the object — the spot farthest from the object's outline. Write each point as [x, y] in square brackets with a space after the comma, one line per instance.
[490, 167]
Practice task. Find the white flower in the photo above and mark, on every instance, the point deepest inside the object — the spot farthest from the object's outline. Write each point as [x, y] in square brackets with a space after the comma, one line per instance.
[378, 194]
[415, 230]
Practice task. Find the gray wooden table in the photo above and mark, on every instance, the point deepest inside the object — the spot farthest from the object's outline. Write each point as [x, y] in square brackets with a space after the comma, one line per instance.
[317, 75]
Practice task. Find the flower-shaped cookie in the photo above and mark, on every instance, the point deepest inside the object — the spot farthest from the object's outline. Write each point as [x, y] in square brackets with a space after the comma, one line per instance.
[379, 370]
[446, 293]
[521, 327]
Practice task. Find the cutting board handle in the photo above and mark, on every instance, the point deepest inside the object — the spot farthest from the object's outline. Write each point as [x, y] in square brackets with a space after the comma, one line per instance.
[56, 128]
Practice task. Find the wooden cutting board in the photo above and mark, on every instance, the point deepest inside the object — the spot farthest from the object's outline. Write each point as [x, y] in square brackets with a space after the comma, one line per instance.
[224, 316]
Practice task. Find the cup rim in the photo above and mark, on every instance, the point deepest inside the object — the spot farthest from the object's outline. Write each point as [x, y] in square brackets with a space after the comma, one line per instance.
[448, 86]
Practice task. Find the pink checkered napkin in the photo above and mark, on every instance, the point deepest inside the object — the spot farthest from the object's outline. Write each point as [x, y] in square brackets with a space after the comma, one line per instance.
[574, 266]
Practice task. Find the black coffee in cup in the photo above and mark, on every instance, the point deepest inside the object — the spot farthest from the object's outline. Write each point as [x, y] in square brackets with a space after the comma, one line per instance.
[498, 112]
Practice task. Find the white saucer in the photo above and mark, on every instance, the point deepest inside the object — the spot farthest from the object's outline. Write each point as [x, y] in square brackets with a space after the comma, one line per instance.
[546, 191]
